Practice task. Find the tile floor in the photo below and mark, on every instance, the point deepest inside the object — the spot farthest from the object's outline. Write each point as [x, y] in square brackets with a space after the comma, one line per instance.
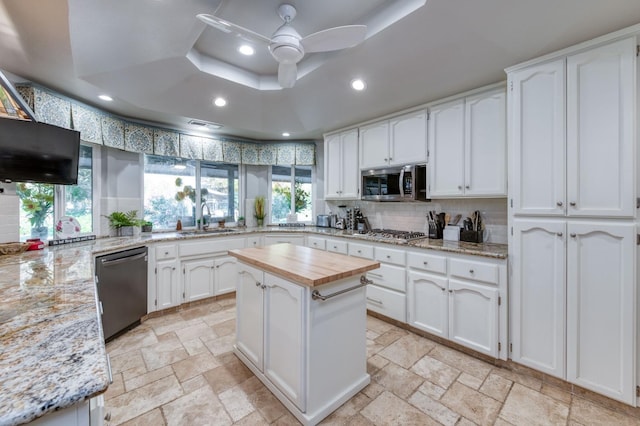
[178, 369]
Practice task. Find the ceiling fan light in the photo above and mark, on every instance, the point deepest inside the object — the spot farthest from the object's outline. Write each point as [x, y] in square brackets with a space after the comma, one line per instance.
[246, 50]
[358, 84]
[220, 102]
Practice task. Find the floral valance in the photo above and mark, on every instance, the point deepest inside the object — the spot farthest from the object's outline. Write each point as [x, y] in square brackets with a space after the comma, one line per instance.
[101, 128]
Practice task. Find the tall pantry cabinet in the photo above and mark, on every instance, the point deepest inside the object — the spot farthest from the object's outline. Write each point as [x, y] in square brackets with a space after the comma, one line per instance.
[572, 211]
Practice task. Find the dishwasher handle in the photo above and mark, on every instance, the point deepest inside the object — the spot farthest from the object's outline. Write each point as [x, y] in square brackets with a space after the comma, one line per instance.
[106, 262]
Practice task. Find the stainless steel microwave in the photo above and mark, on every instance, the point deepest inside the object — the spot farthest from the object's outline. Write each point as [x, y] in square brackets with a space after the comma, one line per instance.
[406, 183]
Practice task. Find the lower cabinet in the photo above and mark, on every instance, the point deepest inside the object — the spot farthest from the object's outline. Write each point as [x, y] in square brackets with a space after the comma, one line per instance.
[225, 274]
[198, 275]
[386, 294]
[250, 314]
[167, 282]
[297, 240]
[429, 303]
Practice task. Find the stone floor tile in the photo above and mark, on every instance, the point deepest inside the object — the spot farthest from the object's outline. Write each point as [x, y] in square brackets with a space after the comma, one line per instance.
[225, 328]
[153, 417]
[146, 378]
[497, 387]
[236, 402]
[198, 407]
[221, 344]
[227, 376]
[433, 409]
[500, 422]
[194, 383]
[375, 363]
[407, 350]
[137, 338]
[268, 405]
[195, 331]
[587, 413]
[177, 324]
[165, 352]
[344, 413]
[253, 419]
[372, 335]
[470, 381]
[433, 391]
[116, 388]
[227, 357]
[528, 381]
[435, 371]
[387, 338]
[287, 420]
[373, 389]
[471, 404]
[398, 380]
[133, 404]
[377, 325]
[388, 409]
[126, 361]
[228, 302]
[462, 362]
[219, 317]
[526, 406]
[556, 393]
[199, 311]
[194, 347]
[194, 365]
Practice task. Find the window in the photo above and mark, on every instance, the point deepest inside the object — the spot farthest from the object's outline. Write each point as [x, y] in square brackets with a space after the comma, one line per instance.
[284, 182]
[37, 202]
[172, 186]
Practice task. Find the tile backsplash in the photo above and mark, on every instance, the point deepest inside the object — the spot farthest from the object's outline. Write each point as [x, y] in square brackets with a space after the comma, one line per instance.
[413, 216]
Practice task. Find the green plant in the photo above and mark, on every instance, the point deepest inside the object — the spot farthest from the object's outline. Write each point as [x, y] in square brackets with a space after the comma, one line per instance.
[121, 219]
[240, 217]
[189, 192]
[37, 202]
[258, 207]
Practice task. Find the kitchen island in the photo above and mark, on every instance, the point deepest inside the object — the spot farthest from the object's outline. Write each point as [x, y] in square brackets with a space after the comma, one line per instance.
[301, 325]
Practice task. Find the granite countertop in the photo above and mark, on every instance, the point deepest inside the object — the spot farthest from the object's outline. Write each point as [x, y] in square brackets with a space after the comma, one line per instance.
[52, 352]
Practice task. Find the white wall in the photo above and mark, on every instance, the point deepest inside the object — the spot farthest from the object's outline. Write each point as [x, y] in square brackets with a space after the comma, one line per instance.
[9, 214]
[256, 183]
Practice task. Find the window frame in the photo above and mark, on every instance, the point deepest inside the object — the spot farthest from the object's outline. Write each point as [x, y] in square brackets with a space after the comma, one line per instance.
[292, 207]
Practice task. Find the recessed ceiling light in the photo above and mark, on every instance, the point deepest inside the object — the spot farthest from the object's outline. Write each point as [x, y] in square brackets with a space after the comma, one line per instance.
[358, 84]
[220, 102]
[106, 98]
[286, 134]
[245, 49]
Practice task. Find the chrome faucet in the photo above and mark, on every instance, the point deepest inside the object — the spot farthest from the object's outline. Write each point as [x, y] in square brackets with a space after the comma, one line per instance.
[202, 214]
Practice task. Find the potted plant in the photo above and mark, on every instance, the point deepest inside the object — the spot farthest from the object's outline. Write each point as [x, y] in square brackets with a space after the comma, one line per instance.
[240, 221]
[124, 223]
[259, 212]
[147, 226]
[37, 203]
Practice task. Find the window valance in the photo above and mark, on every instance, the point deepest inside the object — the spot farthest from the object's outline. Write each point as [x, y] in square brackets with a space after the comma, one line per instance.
[101, 128]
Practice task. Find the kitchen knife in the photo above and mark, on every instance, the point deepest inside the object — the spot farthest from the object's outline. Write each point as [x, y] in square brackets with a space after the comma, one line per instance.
[456, 219]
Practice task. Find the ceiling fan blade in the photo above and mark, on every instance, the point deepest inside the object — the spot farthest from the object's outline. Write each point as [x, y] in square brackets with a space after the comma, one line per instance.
[229, 27]
[287, 75]
[334, 38]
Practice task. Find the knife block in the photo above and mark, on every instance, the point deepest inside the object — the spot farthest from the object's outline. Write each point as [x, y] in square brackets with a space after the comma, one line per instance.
[435, 231]
[471, 236]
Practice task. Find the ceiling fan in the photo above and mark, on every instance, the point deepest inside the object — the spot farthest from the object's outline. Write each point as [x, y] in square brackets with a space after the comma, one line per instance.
[287, 46]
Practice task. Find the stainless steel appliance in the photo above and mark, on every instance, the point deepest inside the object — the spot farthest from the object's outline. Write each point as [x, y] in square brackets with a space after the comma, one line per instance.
[407, 183]
[121, 279]
[392, 234]
[323, 221]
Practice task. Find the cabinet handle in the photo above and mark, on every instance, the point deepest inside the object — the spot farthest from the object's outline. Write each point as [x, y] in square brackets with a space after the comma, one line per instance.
[471, 271]
[107, 416]
[388, 257]
[450, 291]
[559, 234]
[263, 286]
[443, 289]
[459, 186]
[359, 251]
[379, 302]
[425, 263]
[257, 283]
[559, 204]
[385, 159]
[572, 235]
[572, 203]
[166, 253]
[390, 158]
[174, 268]
[335, 247]
[467, 187]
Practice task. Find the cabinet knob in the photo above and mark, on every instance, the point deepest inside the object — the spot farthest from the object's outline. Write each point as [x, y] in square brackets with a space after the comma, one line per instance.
[385, 159]
[335, 247]
[450, 291]
[166, 253]
[572, 235]
[467, 187]
[459, 186]
[425, 263]
[359, 251]
[572, 204]
[388, 257]
[390, 158]
[443, 289]
[257, 283]
[471, 271]
[263, 287]
[107, 416]
[174, 268]
[559, 204]
[559, 234]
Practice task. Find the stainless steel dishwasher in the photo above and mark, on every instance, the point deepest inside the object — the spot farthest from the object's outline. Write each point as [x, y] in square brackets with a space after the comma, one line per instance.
[122, 289]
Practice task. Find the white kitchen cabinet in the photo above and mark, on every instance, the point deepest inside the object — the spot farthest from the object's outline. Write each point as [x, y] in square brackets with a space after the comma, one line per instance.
[284, 337]
[408, 138]
[317, 243]
[198, 276]
[250, 314]
[429, 303]
[473, 316]
[596, 177]
[226, 269]
[337, 246]
[279, 238]
[537, 295]
[537, 139]
[374, 145]
[467, 146]
[167, 281]
[254, 241]
[386, 294]
[601, 317]
[601, 131]
[341, 173]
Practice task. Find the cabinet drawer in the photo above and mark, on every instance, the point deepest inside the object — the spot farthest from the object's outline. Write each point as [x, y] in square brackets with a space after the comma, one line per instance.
[387, 302]
[209, 246]
[360, 250]
[337, 246]
[427, 262]
[166, 251]
[254, 241]
[390, 256]
[297, 240]
[392, 277]
[317, 243]
[476, 271]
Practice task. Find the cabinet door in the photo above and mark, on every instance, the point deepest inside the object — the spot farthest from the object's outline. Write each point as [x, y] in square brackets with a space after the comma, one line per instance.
[408, 140]
[428, 303]
[538, 294]
[473, 316]
[198, 279]
[250, 313]
[446, 150]
[226, 274]
[332, 166]
[601, 293]
[486, 144]
[600, 131]
[167, 284]
[284, 340]
[350, 177]
[537, 139]
[374, 145]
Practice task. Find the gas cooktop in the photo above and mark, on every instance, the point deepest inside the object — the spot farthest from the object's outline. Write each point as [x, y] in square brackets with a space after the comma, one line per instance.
[392, 234]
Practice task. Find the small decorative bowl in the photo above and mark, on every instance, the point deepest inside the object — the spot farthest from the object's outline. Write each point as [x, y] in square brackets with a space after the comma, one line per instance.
[13, 248]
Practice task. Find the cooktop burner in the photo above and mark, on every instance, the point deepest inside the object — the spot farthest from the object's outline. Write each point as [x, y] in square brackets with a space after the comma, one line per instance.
[394, 234]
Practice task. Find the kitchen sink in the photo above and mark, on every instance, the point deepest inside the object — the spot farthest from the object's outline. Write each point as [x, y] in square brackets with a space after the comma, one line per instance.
[208, 231]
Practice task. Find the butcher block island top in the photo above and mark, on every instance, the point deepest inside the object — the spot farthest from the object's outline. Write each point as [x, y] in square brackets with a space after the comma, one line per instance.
[304, 265]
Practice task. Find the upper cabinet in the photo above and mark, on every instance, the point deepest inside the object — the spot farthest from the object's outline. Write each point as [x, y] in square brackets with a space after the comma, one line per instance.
[467, 147]
[341, 173]
[395, 142]
[582, 166]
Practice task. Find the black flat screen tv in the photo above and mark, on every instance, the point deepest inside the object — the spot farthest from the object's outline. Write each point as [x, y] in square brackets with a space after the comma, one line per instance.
[38, 152]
